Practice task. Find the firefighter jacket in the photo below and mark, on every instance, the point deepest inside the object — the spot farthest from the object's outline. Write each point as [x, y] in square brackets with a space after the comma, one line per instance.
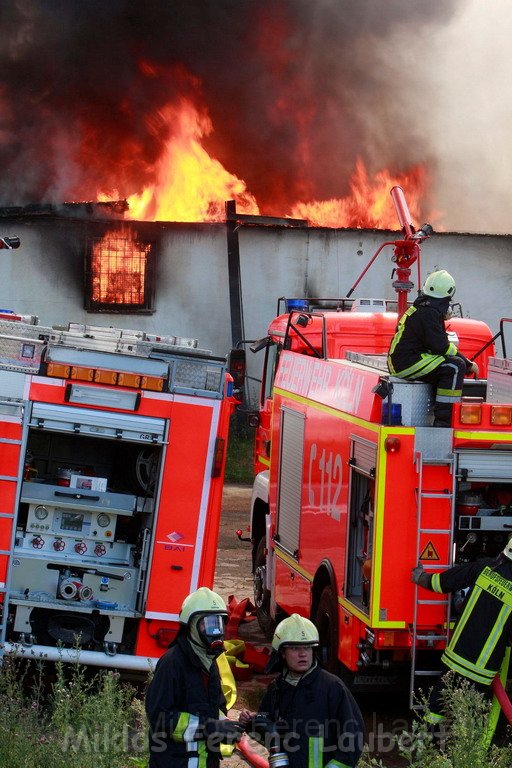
[420, 343]
[319, 721]
[179, 700]
[479, 640]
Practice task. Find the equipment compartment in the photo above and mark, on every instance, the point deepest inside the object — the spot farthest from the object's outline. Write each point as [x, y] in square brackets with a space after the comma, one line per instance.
[80, 555]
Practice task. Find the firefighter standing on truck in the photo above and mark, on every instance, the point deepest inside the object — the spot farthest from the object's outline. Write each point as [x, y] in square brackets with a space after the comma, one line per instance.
[477, 646]
[317, 719]
[421, 349]
[185, 705]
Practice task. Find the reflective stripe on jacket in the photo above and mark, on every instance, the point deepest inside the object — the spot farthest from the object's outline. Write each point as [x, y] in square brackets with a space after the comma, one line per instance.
[477, 645]
[420, 343]
[180, 698]
[321, 722]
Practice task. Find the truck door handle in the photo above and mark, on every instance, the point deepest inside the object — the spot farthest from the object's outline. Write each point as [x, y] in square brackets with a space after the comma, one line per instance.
[76, 495]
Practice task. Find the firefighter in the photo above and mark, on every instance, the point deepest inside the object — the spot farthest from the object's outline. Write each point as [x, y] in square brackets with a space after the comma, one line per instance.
[315, 715]
[421, 349]
[185, 705]
[478, 643]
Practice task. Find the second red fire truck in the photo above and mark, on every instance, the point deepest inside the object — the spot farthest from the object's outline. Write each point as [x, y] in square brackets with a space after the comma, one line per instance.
[112, 452]
[354, 487]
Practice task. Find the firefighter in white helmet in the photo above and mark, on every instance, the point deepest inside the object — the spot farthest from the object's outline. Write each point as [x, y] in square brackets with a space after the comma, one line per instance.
[421, 349]
[484, 629]
[184, 702]
[315, 715]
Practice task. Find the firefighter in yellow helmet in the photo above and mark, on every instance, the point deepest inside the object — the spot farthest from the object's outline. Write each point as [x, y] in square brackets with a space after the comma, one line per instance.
[185, 705]
[421, 349]
[484, 628]
[307, 713]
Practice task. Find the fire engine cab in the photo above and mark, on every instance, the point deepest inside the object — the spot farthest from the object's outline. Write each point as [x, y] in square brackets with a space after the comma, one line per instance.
[112, 461]
[354, 487]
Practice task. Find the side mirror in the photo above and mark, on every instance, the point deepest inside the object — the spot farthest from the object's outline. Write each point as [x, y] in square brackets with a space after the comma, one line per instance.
[260, 344]
[237, 369]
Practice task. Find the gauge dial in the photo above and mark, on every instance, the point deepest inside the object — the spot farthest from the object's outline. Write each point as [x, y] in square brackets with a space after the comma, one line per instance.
[103, 520]
[41, 512]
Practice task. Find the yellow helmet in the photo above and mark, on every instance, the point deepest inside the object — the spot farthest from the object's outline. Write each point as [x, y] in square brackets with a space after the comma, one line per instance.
[202, 602]
[439, 285]
[295, 630]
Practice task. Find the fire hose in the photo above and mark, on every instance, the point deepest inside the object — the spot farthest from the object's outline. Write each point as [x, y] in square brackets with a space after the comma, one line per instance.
[261, 727]
[250, 755]
[501, 695]
[500, 702]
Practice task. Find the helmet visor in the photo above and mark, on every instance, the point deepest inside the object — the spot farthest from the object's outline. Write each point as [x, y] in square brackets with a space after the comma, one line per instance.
[211, 630]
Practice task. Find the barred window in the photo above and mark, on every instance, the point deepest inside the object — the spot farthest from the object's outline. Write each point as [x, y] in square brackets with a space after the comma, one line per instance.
[119, 272]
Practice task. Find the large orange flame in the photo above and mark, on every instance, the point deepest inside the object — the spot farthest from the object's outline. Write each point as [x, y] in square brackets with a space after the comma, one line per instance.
[190, 185]
[369, 204]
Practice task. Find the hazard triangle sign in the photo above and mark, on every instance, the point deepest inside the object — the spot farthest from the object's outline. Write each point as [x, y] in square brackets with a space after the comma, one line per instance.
[429, 553]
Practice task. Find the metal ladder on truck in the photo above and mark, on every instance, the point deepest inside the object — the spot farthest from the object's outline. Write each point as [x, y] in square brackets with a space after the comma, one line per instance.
[434, 547]
[12, 444]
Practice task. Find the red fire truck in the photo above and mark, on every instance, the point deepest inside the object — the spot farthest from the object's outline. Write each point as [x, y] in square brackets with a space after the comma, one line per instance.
[112, 461]
[354, 487]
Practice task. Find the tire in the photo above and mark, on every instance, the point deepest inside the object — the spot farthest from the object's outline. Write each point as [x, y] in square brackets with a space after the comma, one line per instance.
[261, 593]
[327, 625]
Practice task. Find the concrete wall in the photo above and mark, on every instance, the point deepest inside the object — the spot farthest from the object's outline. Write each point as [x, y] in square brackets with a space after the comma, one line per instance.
[45, 276]
[328, 262]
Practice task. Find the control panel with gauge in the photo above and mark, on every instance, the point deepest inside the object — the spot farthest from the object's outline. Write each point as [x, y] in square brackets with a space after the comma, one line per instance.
[73, 549]
[45, 518]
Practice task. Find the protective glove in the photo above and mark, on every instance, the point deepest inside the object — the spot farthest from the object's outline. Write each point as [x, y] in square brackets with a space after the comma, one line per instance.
[473, 368]
[418, 576]
[224, 731]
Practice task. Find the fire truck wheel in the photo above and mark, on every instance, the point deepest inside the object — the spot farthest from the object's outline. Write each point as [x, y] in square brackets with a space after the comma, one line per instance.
[327, 625]
[261, 593]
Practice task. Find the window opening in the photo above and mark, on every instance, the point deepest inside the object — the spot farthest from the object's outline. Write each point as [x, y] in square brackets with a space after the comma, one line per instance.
[120, 270]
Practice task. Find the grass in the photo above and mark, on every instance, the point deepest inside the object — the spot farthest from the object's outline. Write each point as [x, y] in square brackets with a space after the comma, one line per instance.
[461, 742]
[239, 460]
[67, 716]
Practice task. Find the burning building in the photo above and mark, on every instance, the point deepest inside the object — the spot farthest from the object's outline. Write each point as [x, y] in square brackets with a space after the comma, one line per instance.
[292, 108]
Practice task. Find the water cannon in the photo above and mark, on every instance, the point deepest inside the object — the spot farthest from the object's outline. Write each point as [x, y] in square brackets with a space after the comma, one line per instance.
[9, 242]
[422, 234]
[402, 211]
[406, 251]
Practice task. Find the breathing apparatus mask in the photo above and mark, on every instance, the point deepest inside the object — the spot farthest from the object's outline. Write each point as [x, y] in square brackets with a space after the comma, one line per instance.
[210, 629]
[204, 614]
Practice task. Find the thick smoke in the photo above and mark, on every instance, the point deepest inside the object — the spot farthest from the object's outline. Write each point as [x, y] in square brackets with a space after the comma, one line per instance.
[296, 90]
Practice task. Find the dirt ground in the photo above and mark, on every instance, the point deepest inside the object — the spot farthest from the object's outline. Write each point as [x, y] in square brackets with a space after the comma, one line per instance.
[233, 573]
[233, 577]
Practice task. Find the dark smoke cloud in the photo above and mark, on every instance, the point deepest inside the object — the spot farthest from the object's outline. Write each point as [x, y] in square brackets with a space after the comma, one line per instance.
[296, 89]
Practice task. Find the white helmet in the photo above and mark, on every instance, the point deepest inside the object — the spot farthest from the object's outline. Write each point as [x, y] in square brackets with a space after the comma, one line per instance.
[508, 549]
[294, 630]
[439, 285]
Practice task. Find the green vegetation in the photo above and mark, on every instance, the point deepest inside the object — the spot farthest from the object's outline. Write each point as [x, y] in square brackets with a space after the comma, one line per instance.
[460, 743]
[239, 461]
[65, 718]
